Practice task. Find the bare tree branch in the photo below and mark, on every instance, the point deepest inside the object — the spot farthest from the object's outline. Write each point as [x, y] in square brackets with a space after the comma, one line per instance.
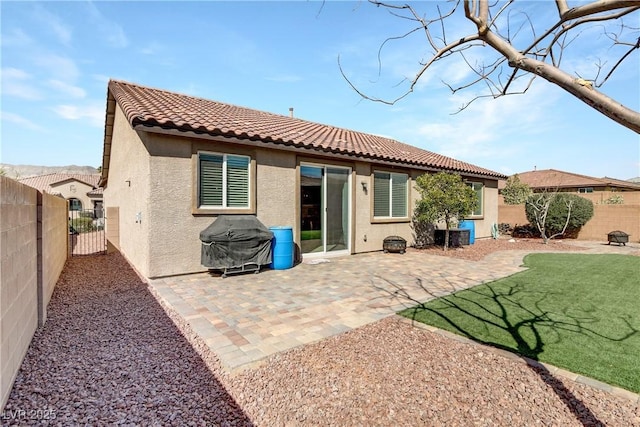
[541, 56]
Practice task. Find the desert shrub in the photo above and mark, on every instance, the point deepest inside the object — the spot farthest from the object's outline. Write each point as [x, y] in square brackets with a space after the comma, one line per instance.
[525, 231]
[505, 228]
[581, 212]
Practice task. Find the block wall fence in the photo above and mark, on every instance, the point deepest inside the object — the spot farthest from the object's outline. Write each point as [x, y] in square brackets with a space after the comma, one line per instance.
[606, 218]
[33, 252]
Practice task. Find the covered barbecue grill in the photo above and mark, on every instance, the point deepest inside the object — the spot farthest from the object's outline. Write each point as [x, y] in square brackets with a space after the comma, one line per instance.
[236, 243]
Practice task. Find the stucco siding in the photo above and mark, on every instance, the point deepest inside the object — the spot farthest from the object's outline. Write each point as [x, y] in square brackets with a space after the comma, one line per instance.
[277, 188]
[174, 244]
[128, 189]
[174, 235]
[490, 210]
[74, 189]
[369, 235]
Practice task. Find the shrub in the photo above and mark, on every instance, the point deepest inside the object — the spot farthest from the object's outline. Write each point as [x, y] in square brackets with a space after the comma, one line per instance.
[525, 231]
[516, 192]
[82, 225]
[581, 212]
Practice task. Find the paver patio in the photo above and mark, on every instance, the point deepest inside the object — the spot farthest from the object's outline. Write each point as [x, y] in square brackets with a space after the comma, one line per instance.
[247, 317]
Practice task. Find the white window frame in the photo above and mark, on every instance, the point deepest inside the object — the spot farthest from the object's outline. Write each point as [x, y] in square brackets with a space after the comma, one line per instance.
[224, 205]
[390, 201]
[585, 190]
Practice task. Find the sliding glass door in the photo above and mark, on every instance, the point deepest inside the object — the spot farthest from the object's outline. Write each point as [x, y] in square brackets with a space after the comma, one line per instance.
[325, 209]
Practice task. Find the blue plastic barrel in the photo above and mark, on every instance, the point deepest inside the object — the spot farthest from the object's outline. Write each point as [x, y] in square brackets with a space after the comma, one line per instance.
[282, 247]
[471, 226]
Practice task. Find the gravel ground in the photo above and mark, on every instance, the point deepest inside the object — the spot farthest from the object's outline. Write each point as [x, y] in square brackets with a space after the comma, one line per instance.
[392, 373]
[109, 354]
[484, 247]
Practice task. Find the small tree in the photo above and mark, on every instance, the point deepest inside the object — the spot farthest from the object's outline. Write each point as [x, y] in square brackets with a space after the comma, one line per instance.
[555, 213]
[445, 197]
[516, 192]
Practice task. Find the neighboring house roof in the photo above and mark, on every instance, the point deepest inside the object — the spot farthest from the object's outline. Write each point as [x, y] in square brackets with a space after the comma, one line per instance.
[153, 110]
[552, 178]
[44, 182]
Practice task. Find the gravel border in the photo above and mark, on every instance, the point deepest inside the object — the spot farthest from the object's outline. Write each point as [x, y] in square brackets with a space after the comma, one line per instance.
[111, 354]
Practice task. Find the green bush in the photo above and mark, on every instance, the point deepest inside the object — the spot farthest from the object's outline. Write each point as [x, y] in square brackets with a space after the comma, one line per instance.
[581, 212]
[82, 225]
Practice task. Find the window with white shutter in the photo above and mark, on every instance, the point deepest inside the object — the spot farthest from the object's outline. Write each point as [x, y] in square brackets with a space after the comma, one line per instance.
[223, 181]
[390, 195]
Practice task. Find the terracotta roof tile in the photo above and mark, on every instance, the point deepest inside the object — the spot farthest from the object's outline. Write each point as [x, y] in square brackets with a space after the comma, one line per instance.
[552, 178]
[44, 182]
[159, 108]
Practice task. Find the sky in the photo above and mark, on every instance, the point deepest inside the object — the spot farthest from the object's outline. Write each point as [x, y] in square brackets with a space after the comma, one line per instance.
[57, 58]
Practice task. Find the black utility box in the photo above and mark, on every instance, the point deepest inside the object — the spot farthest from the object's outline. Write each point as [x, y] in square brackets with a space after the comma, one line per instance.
[457, 237]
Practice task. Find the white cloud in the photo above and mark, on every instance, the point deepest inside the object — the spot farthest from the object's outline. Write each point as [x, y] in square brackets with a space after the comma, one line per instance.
[54, 24]
[59, 67]
[94, 113]
[20, 121]
[111, 31]
[488, 130]
[67, 89]
[17, 83]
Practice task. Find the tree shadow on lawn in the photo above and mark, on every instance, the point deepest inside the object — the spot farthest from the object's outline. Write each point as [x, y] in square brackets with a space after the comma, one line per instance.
[486, 312]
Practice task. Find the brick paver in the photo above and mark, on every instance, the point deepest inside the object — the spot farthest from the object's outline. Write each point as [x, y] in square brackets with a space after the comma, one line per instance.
[245, 318]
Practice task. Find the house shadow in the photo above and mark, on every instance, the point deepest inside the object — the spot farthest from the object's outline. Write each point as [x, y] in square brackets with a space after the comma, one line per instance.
[503, 312]
[110, 354]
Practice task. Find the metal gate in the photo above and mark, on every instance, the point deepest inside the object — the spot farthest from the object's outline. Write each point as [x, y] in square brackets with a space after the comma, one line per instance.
[87, 232]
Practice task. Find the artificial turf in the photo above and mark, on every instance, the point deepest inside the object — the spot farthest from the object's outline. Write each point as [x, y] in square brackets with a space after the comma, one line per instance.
[576, 311]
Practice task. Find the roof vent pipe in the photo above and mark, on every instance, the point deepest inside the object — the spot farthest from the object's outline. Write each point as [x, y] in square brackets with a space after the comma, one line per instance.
[291, 112]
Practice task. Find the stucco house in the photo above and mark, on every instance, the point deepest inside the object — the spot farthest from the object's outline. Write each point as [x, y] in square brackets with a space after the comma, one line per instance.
[80, 190]
[172, 163]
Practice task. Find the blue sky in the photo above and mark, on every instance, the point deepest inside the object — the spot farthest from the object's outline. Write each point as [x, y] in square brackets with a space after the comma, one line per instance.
[57, 58]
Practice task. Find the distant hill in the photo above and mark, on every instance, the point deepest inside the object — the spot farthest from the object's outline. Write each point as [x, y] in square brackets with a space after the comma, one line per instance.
[26, 171]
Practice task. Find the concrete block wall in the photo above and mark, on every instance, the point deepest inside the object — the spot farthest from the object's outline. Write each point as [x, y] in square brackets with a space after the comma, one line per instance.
[33, 252]
[18, 277]
[606, 218]
[54, 241]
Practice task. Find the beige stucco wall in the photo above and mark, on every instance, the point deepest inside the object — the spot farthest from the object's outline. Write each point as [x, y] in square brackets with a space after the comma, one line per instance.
[18, 277]
[174, 240]
[128, 189]
[55, 238]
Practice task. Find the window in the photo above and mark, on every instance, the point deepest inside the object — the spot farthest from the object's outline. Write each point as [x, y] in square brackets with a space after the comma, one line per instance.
[478, 188]
[390, 195]
[75, 204]
[585, 190]
[223, 181]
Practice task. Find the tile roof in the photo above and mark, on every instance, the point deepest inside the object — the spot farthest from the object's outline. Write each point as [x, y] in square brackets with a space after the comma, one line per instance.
[44, 182]
[144, 106]
[552, 178]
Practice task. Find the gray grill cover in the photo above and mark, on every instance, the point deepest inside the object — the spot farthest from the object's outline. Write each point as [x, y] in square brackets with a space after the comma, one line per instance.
[234, 241]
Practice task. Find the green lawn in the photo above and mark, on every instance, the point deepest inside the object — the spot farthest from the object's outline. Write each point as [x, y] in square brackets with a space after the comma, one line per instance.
[575, 311]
